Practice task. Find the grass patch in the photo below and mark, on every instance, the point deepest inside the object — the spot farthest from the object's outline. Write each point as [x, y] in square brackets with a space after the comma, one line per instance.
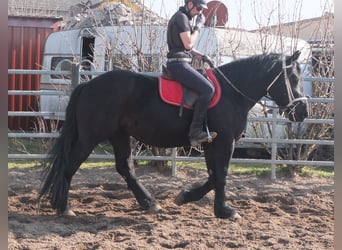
[235, 169]
[257, 170]
[186, 164]
[24, 164]
[43, 145]
[262, 170]
[241, 169]
[99, 164]
[322, 171]
[248, 169]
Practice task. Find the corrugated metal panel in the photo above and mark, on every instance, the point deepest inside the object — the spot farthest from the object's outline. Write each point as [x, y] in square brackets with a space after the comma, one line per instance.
[26, 41]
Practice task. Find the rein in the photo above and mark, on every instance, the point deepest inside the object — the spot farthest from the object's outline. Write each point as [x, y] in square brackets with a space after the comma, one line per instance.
[290, 95]
[234, 87]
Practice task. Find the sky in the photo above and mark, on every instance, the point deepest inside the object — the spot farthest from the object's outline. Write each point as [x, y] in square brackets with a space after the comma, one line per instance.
[250, 14]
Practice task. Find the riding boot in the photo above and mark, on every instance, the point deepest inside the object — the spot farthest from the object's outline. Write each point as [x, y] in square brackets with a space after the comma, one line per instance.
[196, 133]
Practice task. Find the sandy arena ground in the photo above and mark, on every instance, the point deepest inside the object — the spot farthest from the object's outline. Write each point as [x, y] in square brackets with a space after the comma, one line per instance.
[284, 214]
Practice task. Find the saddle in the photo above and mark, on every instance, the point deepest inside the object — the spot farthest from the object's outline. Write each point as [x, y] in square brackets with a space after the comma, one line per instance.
[174, 93]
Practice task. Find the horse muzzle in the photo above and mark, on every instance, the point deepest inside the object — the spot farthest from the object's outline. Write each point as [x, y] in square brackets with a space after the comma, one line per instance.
[297, 110]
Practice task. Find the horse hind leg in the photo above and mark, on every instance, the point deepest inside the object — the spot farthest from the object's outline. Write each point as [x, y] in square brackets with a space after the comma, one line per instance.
[199, 191]
[194, 194]
[78, 154]
[125, 167]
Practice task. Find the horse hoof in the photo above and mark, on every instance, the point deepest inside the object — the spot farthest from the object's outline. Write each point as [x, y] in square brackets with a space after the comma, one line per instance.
[227, 213]
[155, 208]
[236, 216]
[180, 198]
[68, 212]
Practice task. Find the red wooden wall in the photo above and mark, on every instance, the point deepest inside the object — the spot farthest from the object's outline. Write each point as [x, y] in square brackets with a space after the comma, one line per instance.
[26, 40]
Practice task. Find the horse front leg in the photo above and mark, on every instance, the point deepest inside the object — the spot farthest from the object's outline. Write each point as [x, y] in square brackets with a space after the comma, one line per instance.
[217, 161]
[217, 157]
[125, 167]
[221, 209]
[219, 173]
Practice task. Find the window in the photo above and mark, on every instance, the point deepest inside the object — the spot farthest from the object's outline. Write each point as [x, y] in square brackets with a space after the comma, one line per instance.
[61, 64]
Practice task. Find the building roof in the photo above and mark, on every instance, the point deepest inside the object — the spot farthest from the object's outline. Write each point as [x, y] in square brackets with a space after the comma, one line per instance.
[313, 30]
[54, 7]
[86, 13]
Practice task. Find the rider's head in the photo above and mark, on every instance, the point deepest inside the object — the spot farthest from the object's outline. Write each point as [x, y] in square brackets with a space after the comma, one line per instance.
[194, 7]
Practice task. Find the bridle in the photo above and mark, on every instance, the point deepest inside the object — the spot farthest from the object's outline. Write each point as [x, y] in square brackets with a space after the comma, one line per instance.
[292, 100]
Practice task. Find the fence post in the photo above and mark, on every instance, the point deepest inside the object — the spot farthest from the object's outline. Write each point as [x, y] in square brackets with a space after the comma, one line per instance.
[75, 75]
[274, 145]
[174, 167]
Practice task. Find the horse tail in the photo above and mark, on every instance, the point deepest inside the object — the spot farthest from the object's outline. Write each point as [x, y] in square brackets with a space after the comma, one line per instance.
[55, 184]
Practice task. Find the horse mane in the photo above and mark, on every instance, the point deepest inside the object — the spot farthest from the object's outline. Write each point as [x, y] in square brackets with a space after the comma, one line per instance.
[250, 68]
[256, 63]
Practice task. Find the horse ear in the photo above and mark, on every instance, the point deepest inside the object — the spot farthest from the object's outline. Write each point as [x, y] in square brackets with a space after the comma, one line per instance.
[294, 57]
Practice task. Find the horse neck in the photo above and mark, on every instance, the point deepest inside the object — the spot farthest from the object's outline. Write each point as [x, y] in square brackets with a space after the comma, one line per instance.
[239, 82]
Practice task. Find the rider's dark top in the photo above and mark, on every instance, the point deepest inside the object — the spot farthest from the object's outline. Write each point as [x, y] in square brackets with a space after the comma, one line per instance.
[179, 22]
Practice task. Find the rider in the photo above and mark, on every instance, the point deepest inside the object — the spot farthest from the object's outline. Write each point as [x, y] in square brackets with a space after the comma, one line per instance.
[181, 37]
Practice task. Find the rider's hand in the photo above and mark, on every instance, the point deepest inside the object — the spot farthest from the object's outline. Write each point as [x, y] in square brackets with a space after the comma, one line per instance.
[208, 60]
[200, 20]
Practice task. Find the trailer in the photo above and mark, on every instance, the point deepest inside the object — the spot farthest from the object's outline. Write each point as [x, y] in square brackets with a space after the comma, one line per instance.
[144, 49]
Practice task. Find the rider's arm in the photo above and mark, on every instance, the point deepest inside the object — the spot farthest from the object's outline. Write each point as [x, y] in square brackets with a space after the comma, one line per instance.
[189, 39]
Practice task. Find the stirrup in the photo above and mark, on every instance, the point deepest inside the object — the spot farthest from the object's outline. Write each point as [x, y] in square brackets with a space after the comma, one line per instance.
[203, 137]
[211, 135]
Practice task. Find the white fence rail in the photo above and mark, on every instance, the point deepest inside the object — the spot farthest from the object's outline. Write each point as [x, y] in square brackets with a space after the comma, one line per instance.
[174, 158]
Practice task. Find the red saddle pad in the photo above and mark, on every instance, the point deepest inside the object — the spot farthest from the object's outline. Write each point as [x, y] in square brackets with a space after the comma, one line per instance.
[171, 91]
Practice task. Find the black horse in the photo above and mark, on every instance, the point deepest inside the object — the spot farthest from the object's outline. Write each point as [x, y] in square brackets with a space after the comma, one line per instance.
[120, 104]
